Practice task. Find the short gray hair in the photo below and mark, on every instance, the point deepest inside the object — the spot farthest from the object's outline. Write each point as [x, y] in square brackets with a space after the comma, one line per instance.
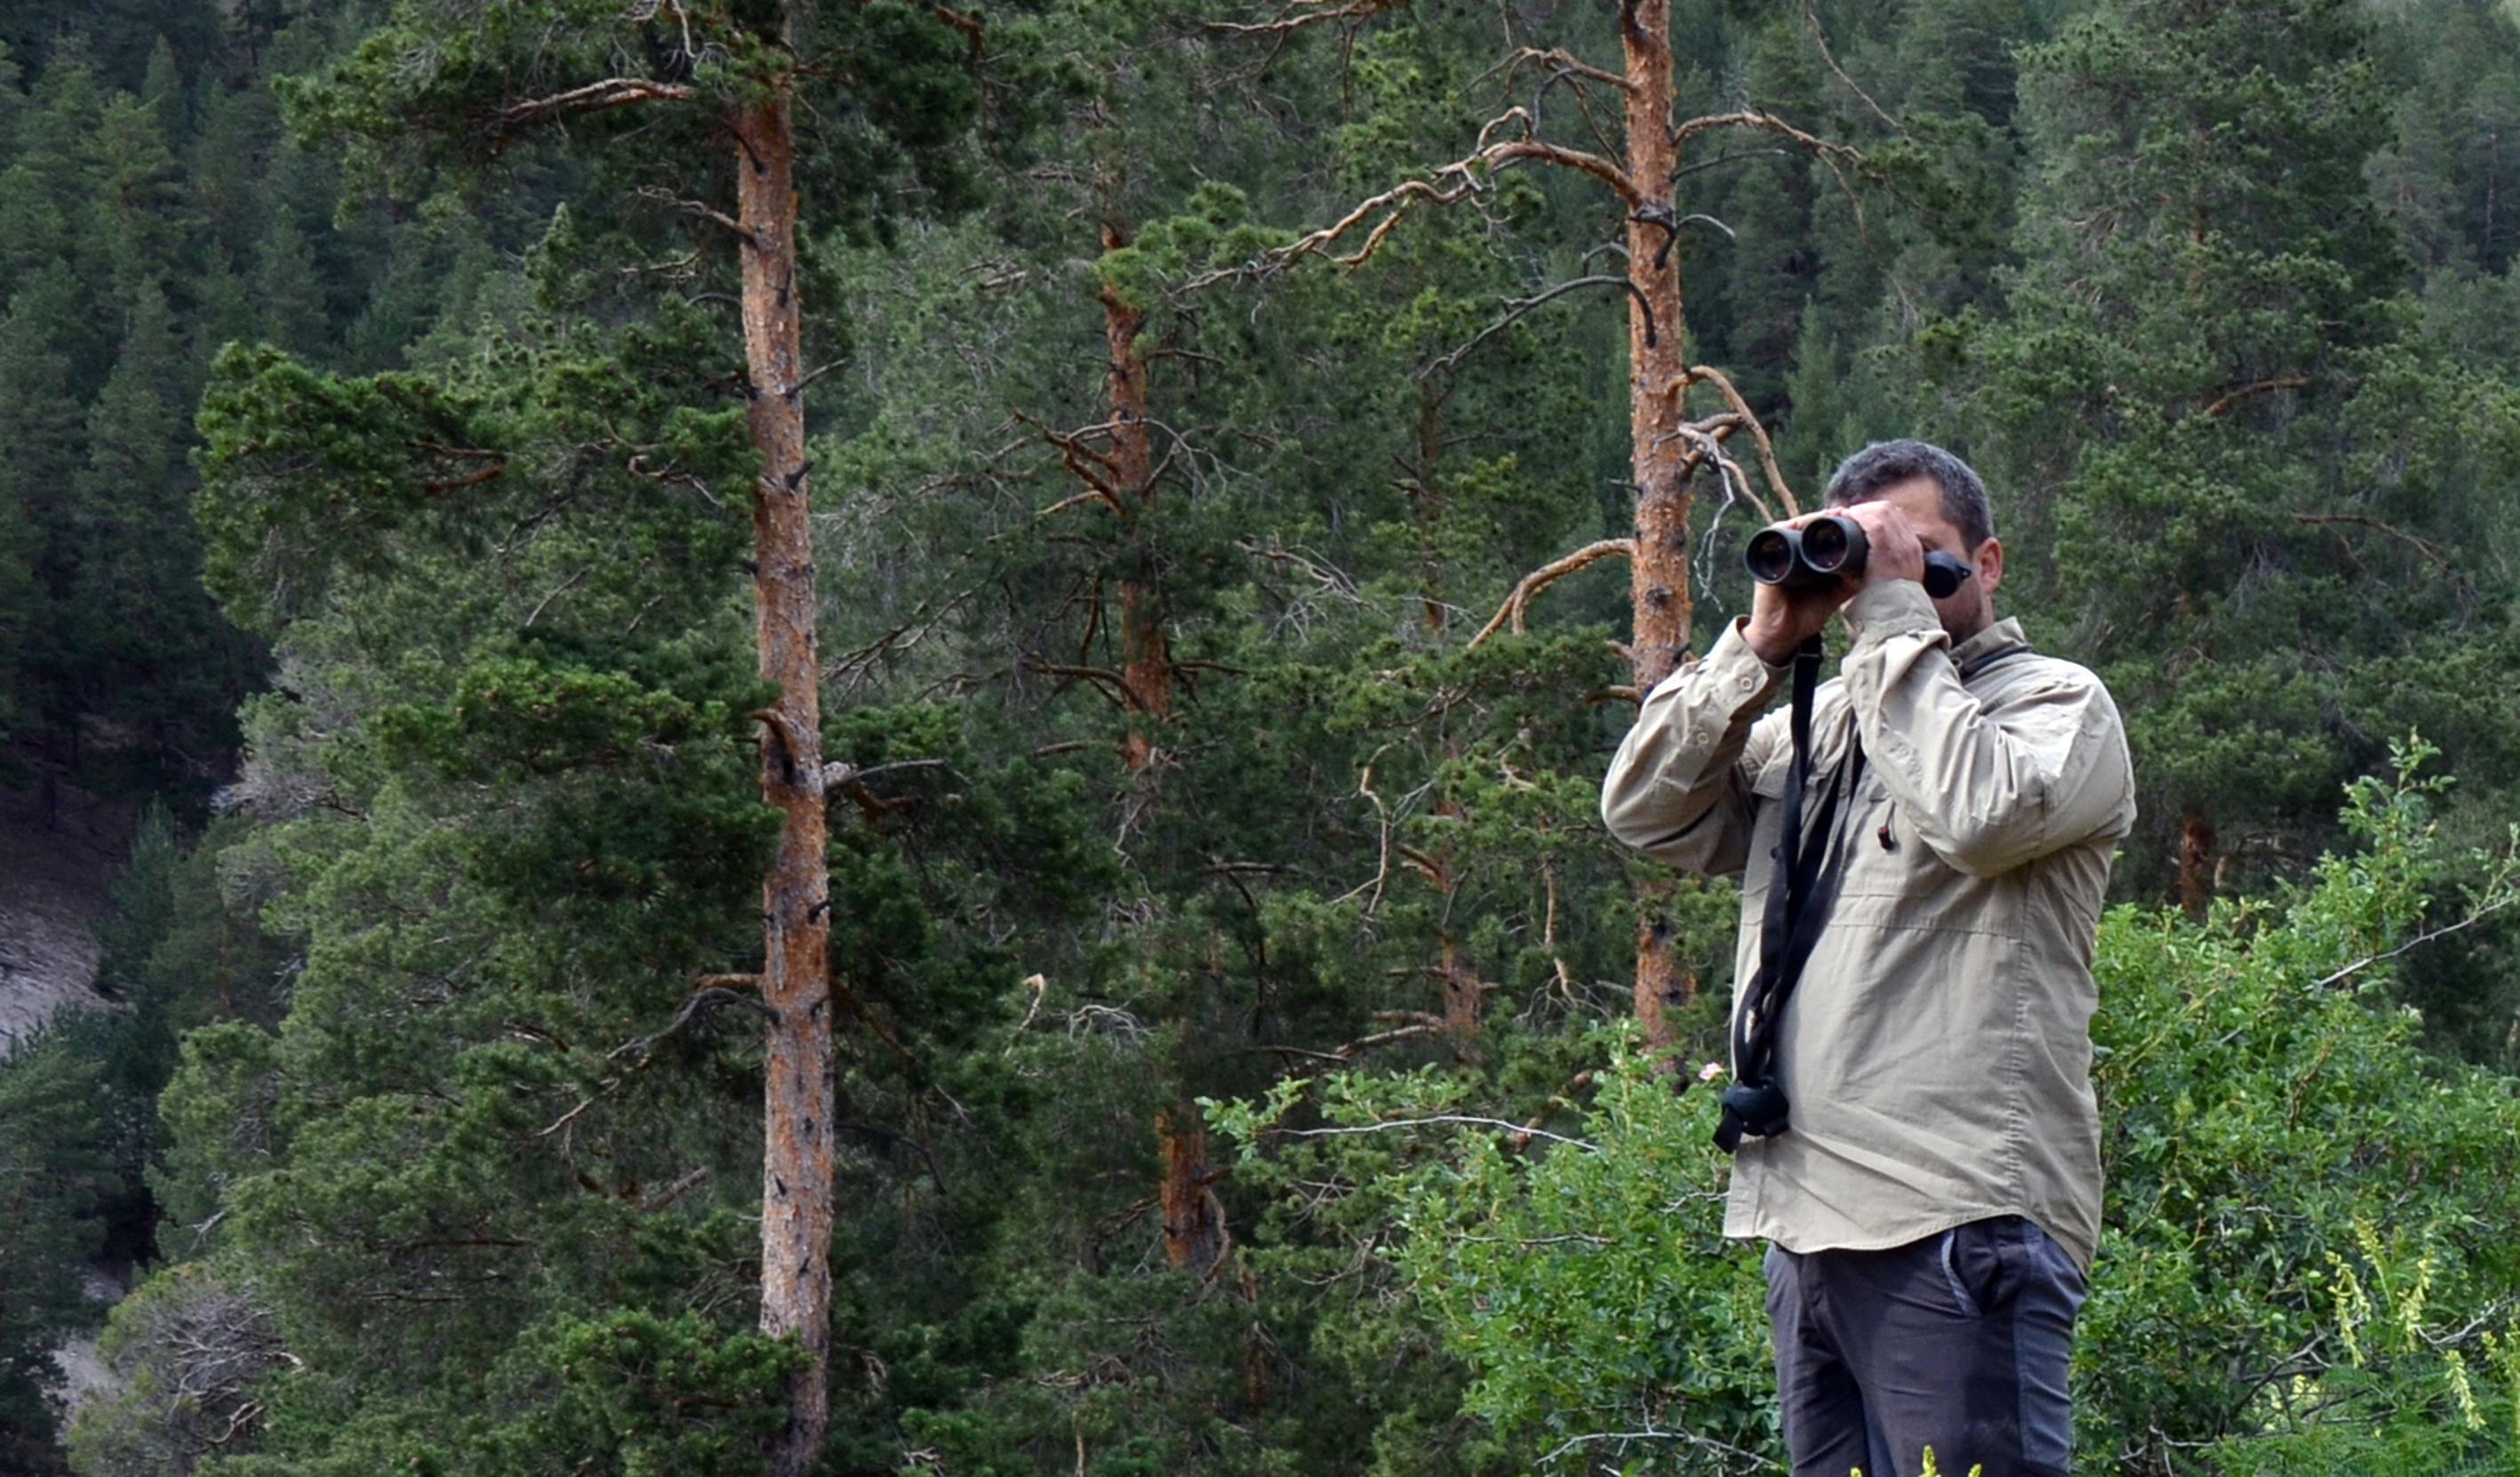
[1885, 465]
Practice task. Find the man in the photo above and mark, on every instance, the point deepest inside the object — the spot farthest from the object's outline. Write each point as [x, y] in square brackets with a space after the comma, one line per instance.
[1933, 1203]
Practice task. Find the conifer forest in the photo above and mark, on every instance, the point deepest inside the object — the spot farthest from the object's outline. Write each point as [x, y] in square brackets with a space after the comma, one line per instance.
[833, 737]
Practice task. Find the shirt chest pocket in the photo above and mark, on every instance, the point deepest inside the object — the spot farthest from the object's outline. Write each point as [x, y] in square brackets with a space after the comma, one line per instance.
[1878, 846]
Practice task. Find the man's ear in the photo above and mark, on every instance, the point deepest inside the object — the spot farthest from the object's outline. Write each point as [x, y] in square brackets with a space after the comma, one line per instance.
[1989, 565]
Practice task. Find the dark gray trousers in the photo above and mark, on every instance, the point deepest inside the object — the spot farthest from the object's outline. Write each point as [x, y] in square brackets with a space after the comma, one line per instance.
[1959, 1341]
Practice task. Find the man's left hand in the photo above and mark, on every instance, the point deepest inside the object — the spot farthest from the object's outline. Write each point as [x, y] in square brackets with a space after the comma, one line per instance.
[1893, 550]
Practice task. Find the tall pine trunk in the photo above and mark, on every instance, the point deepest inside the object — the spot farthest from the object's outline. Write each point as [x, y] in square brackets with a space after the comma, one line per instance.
[1659, 456]
[1146, 647]
[796, 975]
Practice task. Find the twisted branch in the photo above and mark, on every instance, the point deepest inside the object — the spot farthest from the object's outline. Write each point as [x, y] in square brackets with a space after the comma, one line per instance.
[1541, 578]
[1758, 433]
[1448, 185]
[1521, 306]
[595, 97]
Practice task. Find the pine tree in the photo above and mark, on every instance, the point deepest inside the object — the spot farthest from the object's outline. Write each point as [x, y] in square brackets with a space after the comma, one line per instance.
[19, 616]
[2206, 392]
[162, 92]
[139, 212]
[723, 84]
[150, 650]
[32, 232]
[40, 422]
[52, 1174]
[289, 290]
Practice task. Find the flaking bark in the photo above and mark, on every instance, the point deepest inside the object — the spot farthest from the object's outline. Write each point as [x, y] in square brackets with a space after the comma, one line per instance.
[1194, 1237]
[1659, 455]
[797, 1189]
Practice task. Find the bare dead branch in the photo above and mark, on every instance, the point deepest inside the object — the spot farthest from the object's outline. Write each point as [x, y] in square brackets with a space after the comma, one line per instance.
[1521, 306]
[1364, 1044]
[674, 1191]
[818, 372]
[1758, 433]
[699, 1003]
[1383, 866]
[1820, 38]
[1093, 467]
[700, 211]
[1722, 159]
[1831, 155]
[968, 25]
[1448, 185]
[1541, 578]
[473, 479]
[1750, 117]
[1561, 63]
[2223, 406]
[1438, 872]
[2427, 548]
[1594, 164]
[558, 590]
[594, 97]
[1299, 14]
[1109, 682]
[1710, 447]
[1089, 495]
[695, 1005]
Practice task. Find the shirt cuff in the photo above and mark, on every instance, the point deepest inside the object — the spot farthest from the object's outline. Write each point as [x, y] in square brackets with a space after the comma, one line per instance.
[1892, 607]
[1740, 674]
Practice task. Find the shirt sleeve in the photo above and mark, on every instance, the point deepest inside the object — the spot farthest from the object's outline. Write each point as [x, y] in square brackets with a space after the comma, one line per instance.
[1680, 788]
[1987, 787]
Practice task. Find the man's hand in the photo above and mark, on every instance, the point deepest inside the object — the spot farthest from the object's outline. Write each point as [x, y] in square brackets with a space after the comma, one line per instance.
[1893, 551]
[1783, 619]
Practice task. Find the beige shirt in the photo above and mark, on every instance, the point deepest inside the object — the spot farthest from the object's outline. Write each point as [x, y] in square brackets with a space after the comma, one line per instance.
[1937, 1052]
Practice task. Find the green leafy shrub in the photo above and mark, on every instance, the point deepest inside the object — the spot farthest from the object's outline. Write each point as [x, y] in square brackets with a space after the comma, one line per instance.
[2266, 1105]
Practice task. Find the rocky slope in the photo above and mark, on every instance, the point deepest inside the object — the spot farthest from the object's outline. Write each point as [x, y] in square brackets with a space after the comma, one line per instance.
[52, 886]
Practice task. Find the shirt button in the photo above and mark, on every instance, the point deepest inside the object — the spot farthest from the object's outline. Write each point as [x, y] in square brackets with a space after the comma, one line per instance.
[1747, 684]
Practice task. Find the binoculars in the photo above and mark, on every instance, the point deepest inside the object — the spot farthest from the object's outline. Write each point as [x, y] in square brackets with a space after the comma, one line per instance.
[1827, 549]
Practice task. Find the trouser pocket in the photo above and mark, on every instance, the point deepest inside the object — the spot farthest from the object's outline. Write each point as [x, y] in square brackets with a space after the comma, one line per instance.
[1982, 1264]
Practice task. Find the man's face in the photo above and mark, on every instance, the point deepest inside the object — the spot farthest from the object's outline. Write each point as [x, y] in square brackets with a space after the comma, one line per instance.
[1970, 609]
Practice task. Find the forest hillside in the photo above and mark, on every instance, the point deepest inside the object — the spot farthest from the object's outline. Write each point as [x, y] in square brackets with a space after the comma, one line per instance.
[745, 738]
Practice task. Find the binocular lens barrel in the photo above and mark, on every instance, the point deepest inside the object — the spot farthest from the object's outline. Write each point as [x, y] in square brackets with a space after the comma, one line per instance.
[1771, 555]
[1816, 554]
[1830, 548]
[1829, 543]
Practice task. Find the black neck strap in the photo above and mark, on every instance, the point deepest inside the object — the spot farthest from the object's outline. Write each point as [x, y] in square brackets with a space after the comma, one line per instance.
[1809, 860]
[1810, 857]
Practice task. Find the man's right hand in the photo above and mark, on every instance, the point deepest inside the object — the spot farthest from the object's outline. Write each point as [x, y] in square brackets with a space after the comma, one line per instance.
[1783, 619]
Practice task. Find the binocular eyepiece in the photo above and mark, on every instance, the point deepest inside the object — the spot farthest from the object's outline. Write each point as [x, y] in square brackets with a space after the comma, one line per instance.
[1830, 548]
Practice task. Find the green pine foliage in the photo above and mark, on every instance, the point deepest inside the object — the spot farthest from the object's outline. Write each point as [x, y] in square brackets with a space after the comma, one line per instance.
[395, 546]
[54, 1174]
[2258, 494]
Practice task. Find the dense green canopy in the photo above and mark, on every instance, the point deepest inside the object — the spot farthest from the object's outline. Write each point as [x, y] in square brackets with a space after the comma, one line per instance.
[1222, 636]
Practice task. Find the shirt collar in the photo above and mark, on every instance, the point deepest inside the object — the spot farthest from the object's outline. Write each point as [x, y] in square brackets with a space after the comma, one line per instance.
[2003, 635]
